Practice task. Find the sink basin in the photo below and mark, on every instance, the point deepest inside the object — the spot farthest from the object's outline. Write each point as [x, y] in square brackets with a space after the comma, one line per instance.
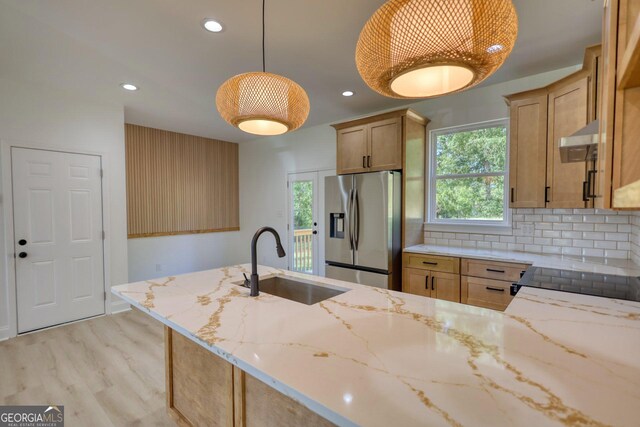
[298, 290]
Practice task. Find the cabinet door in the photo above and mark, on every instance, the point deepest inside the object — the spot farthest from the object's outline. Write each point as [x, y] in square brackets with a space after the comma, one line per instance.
[416, 282]
[352, 150]
[385, 145]
[445, 286]
[528, 152]
[606, 108]
[568, 109]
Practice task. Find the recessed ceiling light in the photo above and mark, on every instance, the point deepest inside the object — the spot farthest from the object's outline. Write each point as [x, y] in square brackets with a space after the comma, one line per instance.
[212, 25]
[495, 48]
[128, 86]
[347, 93]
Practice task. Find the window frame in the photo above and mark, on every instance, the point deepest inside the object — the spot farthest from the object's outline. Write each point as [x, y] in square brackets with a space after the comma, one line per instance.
[466, 225]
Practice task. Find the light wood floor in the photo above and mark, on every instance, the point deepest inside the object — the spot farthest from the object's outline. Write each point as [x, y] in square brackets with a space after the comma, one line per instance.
[107, 371]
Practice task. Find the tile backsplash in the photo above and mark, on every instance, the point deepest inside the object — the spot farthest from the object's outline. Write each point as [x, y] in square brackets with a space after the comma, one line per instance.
[581, 232]
[634, 220]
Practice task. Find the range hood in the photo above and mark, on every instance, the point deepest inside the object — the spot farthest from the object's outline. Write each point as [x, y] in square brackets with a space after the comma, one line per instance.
[582, 145]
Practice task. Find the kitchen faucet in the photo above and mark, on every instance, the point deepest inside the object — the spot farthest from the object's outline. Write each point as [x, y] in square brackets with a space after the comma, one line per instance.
[255, 281]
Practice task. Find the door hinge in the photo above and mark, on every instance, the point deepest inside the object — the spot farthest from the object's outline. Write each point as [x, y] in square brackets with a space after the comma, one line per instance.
[101, 173]
[104, 235]
[105, 295]
[287, 227]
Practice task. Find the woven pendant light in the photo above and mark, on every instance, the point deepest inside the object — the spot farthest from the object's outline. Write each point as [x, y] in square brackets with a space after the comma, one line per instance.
[263, 103]
[427, 48]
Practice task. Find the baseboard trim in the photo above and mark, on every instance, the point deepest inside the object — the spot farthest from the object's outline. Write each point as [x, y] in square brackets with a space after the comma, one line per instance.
[119, 307]
[4, 333]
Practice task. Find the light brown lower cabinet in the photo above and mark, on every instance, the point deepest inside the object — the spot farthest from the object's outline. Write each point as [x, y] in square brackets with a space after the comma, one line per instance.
[203, 389]
[487, 293]
[433, 284]
[488, 283]
[469, 281]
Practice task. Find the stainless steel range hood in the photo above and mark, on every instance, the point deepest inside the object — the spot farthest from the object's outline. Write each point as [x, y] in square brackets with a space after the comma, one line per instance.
[582, 145]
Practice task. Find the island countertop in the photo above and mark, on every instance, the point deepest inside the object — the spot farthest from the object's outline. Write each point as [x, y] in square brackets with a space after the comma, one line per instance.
[374, 357]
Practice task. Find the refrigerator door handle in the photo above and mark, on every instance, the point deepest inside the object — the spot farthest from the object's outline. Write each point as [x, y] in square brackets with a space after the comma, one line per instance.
[349, 209]
[356, 220]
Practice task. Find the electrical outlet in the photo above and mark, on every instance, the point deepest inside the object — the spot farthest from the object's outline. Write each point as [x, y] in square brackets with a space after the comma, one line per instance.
[158, 268]
[527, 229]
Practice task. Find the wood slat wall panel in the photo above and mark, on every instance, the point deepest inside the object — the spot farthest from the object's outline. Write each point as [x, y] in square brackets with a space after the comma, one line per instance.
[179, 184]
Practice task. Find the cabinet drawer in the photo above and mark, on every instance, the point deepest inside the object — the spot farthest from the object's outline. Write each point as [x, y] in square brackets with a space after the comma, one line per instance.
[488, 293]
[492, 269]
[431, 262]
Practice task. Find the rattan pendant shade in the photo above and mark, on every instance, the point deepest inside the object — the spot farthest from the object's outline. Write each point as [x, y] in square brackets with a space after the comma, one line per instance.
[427, 48]
[263, 103]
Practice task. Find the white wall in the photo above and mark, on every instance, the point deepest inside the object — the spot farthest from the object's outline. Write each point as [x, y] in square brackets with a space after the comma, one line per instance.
[47, 118]
[264, 166]
[152, 257]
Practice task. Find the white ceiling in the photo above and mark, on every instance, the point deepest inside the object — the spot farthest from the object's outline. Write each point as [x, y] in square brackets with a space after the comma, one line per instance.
[91, 46]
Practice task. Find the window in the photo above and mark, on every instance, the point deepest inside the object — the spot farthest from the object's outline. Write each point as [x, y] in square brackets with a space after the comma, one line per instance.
[467, 175]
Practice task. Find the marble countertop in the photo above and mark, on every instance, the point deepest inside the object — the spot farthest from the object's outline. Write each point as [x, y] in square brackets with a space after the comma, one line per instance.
[622, 267]
[374, 357]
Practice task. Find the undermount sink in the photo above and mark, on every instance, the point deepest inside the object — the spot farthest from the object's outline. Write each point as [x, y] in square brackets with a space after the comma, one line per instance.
[298, 290]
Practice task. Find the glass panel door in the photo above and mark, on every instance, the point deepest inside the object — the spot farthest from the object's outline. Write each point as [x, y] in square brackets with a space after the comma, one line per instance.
[303, 222]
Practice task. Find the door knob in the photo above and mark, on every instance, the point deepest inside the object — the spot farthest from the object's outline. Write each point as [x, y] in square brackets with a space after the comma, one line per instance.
[22, 242]
[22, 254]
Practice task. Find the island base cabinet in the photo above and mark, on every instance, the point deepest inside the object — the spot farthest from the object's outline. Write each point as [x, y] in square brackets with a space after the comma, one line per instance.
[204, 389]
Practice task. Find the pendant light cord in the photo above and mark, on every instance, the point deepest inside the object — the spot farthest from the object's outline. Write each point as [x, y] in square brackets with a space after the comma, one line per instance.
[264, 68]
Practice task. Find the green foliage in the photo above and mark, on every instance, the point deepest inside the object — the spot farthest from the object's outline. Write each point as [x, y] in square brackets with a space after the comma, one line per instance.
[471, 152]
[302, 205]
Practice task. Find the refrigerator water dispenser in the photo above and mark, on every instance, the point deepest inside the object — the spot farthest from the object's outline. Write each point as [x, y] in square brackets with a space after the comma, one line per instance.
[336, 228]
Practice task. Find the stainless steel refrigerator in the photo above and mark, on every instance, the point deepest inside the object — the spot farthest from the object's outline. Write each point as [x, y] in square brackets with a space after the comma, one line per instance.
[362, 237]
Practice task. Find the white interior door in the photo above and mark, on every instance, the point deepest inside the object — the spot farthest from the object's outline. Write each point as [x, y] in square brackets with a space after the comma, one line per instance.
[306, 221]
[57, 202]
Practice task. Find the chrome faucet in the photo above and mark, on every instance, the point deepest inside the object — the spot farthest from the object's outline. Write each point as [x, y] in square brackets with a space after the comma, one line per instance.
[255, 281]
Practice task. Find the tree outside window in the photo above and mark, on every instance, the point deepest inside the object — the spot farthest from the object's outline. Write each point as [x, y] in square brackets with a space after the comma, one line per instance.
[468, 173]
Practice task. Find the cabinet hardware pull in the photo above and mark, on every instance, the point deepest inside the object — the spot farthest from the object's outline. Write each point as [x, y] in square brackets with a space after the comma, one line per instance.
[369, 161]
[546, 194]
[433, 288]
[426, 282]
[489, 288]
[491, 270]
[512, 196]
[429, 263]
[592, 184]
[585, 196]
[364, 161]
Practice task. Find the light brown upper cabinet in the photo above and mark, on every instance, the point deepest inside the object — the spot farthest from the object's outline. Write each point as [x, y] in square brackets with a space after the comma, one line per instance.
[528, 150]
[568, 111]
[618, 174]
[385, 145]
[370, 147]
[352, 149]
[394, 141]
[539, 119]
